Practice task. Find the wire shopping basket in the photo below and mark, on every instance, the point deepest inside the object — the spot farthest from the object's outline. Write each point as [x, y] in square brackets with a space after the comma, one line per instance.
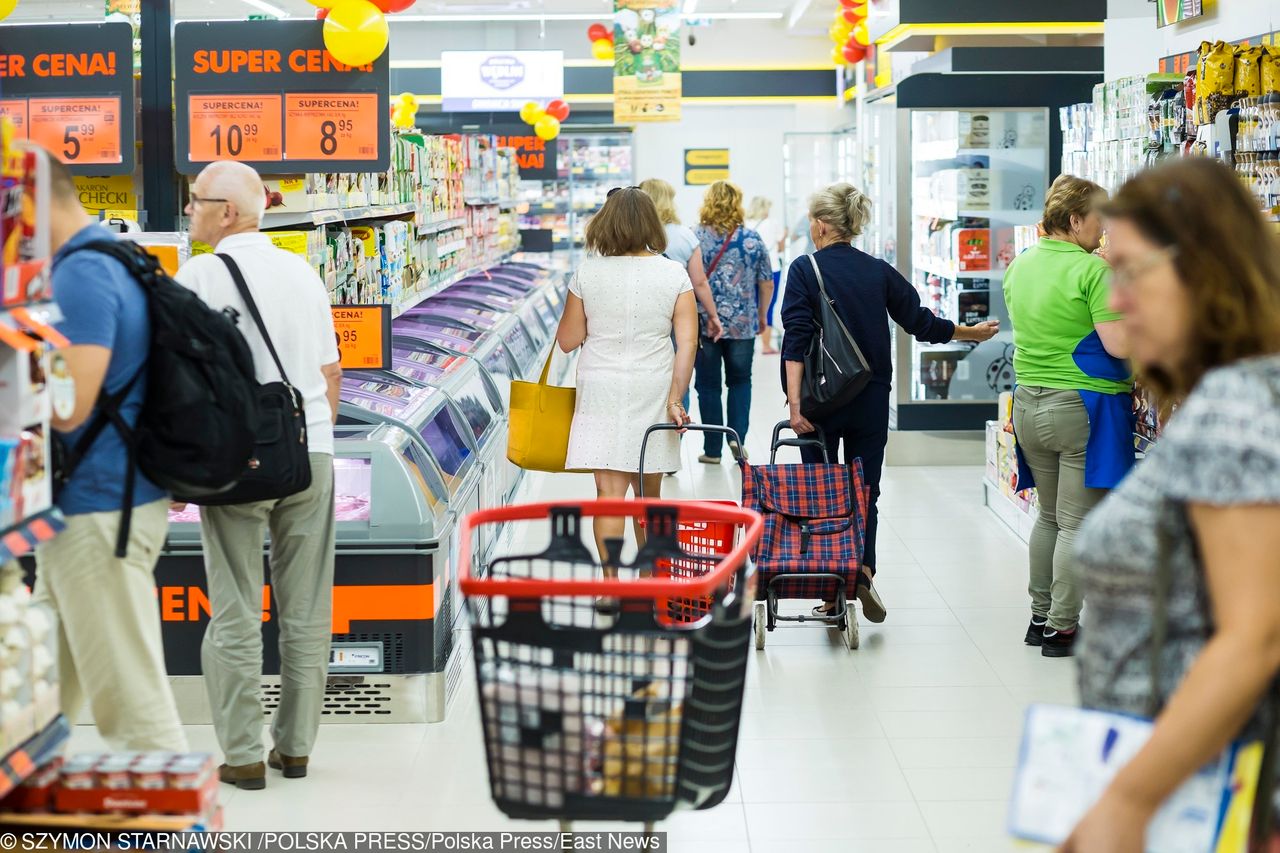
[611, 697]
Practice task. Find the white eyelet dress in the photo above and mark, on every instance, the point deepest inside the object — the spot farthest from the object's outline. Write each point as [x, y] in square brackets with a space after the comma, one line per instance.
[624, 370]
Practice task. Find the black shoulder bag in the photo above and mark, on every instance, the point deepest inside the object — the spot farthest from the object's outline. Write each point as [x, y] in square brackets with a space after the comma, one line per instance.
[280, 466]
[835, 370]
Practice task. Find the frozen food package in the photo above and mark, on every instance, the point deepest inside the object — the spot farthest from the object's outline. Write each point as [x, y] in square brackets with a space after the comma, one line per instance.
[1248, 74]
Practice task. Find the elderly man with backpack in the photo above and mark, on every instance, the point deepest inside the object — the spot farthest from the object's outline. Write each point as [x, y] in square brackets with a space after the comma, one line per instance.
[282, 309]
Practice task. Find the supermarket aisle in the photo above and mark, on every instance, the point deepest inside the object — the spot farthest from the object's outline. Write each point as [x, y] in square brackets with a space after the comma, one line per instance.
[904, 746]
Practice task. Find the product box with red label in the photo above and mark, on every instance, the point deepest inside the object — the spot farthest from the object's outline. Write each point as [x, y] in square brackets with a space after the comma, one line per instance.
[972, 249]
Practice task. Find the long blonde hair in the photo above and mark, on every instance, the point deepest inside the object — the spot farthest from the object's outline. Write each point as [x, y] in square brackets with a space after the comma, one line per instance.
[722, 207]
[759, 209]
[664, 198]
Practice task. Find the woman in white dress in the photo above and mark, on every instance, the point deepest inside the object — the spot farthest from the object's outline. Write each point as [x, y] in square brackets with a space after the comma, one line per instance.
[625, 301]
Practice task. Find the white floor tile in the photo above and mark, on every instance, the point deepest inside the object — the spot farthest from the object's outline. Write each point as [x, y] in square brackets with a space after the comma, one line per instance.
[961, 752]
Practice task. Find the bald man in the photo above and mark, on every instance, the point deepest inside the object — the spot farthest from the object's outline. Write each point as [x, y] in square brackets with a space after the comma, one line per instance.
[226, 206]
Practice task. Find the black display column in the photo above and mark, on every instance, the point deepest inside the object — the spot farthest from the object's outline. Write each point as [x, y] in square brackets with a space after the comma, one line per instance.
[159, 174]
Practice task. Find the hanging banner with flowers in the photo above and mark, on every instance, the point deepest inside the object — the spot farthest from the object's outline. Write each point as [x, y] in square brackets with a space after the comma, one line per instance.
[646, 61]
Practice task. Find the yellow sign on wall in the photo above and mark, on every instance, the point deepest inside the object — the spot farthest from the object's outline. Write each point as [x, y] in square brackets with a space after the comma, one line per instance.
[114, 193]
[703, 166]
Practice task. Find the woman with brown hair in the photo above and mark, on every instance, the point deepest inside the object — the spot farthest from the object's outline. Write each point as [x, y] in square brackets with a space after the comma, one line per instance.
[625, 301]
[737, 264]
[1179, 561]
[1072, 409]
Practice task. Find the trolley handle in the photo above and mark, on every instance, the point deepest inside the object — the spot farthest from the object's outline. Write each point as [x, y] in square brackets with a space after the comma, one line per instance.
[728, 563]
[820, 442]
[728, 433]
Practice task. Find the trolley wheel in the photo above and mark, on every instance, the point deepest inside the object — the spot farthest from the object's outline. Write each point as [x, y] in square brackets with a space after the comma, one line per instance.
[760, 613]
[850, 629]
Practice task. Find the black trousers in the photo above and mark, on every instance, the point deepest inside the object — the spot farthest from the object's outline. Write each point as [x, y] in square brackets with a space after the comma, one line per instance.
[863, 429]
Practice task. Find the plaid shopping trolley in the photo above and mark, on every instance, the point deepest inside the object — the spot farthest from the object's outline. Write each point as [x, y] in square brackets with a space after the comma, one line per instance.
[610, 697]
[814, 533]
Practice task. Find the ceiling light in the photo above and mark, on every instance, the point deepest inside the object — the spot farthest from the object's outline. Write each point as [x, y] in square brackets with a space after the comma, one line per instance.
[267, 7]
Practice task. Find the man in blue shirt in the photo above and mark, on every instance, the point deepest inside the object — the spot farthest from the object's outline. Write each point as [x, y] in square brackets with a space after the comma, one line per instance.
[110, 648]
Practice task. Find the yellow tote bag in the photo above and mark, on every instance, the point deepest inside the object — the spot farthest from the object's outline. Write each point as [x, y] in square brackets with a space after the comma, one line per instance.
[541, 415]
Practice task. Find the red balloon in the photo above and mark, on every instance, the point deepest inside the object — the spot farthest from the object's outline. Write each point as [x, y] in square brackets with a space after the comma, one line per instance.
[392, 6]
[849, 4]
[854, 53]
[321, 14]
[851, 16]
[558, 110]
[595, 32]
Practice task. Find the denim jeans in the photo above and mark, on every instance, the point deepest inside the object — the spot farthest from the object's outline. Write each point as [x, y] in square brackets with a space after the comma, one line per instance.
[709, 381]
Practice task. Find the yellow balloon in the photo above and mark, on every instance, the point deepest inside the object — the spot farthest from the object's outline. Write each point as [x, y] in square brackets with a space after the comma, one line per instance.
[548, 127]
[531, 112]
[403, 119]
[408, 100]
[7, 7]
[355, 32]
[862, 10]
[601, 49]
[837, 56]
[840, 32]
[861, 35]
[323, 4]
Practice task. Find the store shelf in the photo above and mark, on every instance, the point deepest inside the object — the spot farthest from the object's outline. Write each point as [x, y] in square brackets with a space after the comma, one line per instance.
[443, 225]
[1005, 508]
[938, 267]
[950, 149]
[333, 217]
[451, 248]
[36, 752]
[23, 537]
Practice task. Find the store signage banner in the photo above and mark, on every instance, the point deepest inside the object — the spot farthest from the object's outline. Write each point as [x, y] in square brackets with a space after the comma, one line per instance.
[69, 88]
[268, 94]
[489, 81]
[705, 166]
[535, 157]
[1174, 11]
[646, 65]
[364, 336]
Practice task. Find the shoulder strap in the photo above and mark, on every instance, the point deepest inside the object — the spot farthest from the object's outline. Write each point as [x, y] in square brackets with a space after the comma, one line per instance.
[723, 248]
[822, 287]
[243, 287]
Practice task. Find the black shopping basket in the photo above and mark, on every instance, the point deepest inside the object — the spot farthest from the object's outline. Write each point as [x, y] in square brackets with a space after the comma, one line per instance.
[611, 698]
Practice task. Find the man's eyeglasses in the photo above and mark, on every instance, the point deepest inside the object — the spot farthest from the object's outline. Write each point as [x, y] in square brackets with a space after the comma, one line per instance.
[1123, 276]
[611, 192]
[195, 199]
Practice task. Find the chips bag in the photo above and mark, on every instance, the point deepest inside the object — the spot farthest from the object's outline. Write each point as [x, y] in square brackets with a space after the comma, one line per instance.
[1269, 70]
[1248, 74]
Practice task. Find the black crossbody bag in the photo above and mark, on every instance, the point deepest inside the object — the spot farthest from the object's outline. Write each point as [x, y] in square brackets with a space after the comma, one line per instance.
[835, 370]
[280, 466]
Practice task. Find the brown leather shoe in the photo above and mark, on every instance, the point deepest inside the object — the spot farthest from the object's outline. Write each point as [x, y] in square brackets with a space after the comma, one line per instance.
[293, 768]
[247, 777]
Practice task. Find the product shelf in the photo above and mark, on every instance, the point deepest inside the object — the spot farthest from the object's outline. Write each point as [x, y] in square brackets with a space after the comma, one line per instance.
[335, 216]
[932, 208]
[1019, 520]
[943, 269]
[951, 149]
[22, 538]
[39, 750]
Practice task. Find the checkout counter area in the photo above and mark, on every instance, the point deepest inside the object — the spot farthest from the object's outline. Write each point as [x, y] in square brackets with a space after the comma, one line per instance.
[418, 446]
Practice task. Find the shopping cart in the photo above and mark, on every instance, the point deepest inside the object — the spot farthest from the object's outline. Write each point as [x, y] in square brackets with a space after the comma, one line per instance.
[618, 712]
[815, 528]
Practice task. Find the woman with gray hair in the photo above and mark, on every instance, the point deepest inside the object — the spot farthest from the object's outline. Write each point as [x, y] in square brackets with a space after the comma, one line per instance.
[864, 292]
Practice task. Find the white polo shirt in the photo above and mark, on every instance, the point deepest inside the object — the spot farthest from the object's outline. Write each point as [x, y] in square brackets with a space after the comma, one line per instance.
[295, 309]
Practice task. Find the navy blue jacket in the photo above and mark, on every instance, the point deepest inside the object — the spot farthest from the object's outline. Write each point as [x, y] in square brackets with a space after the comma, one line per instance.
[866, 292]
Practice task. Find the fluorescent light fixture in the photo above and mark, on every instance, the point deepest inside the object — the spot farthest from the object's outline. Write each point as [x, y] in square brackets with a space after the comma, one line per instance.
[504, 18]
[690, 6]
[267, 7]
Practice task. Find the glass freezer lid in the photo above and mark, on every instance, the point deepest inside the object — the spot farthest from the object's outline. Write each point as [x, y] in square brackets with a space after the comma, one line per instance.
[474, 403]
[352, 491]
[518, 342]
[442, 337]
[533, 320]
[486, 318]
[443, 435]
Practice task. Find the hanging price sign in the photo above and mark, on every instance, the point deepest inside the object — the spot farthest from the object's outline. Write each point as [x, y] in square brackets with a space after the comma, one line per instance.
[70, 89]
[268, 94]
[364, 336]
[327, 126]
[245, 127]
[80, 131]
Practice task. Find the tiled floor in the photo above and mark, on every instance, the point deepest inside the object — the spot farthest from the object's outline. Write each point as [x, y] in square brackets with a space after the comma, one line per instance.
[906, 745]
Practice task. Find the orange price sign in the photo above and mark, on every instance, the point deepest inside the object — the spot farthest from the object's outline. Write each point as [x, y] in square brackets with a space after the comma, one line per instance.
[16, 110]
[364, 336]
[81, 131]
[331, 127]
[234, 127]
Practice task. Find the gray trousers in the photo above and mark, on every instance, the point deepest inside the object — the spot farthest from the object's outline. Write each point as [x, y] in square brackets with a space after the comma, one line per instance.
[302, 556]
[1053, 429]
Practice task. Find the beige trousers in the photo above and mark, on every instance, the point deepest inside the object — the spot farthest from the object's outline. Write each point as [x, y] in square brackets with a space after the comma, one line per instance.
[109, 644]
[302, 556]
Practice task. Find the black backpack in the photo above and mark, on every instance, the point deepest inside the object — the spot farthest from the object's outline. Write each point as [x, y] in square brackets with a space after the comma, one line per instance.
[195, 434]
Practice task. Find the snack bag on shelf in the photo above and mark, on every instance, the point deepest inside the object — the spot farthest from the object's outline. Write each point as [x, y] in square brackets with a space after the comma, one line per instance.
[1248, 71]
[1269, 70]
[1217, 84]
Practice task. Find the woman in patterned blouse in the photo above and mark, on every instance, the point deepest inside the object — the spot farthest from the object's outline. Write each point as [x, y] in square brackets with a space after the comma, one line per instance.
[1180, 563]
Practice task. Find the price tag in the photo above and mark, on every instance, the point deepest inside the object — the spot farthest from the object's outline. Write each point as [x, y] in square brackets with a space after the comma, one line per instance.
[331, 127]
[16, 110]
[234, 127]
[364, 336]
[81, 131]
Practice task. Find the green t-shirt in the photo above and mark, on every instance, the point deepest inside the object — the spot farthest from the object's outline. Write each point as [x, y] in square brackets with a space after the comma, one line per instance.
[1056, 293]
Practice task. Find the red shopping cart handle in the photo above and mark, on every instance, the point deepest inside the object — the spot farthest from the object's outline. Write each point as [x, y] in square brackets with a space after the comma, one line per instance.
[650, 587]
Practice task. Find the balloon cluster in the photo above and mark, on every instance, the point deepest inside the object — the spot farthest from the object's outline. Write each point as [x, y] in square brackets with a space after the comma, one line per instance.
[545, 120]
[355, 31]
[601, 38]
[7, 7]
[405, 110]
[848, 32]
